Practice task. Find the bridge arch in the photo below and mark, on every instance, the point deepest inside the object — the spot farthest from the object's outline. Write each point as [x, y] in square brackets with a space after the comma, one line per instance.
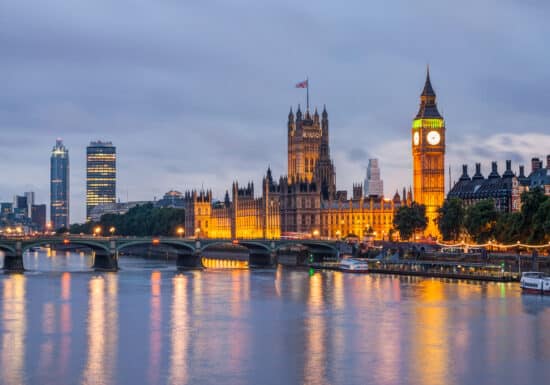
[179, 245]
[7, 249]
[250, 245]
[94, 245]
[308, 243]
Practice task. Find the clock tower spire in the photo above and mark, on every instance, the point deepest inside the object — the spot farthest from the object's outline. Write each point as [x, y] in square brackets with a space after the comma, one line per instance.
[428, 150]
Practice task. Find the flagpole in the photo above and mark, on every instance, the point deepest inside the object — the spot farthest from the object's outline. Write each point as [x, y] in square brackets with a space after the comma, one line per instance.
[307, 92]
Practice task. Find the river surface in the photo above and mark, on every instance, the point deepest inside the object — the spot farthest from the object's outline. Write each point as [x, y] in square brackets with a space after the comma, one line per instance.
[61, 323]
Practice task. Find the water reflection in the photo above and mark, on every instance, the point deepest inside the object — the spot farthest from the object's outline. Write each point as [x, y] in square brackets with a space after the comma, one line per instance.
[267, 327]
[102, 330]
[179, 325]
[14, 325]
[315, 354]
[155, 328]
[429, 357]
[66, 326]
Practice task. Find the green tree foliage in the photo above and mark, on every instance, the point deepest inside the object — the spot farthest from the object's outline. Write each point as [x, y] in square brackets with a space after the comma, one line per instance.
[451, 219]
[409, 219]
[480, 221]
[533, 206]
[143, 220]
[508, 227]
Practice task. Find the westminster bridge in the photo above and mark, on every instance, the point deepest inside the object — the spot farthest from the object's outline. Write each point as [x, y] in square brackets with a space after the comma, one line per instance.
[105, 250]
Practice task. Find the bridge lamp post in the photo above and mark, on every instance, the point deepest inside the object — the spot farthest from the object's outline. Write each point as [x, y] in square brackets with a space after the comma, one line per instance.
[97, 231]
[315, 233]
[112, 230]
[180, 231]
[338, 234]
[197, 232]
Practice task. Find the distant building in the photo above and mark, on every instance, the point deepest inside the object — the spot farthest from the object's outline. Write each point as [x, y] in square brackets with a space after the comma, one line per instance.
[21, 205]
[172, 199]
[113, 208]
[6, 208]
[374, 186]
[540, 176]
[504, 190]
[38, 216]
[59, 186]
[100, 175]
[30, 201]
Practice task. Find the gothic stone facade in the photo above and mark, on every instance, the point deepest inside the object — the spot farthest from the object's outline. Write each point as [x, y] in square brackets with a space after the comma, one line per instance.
[303, 203]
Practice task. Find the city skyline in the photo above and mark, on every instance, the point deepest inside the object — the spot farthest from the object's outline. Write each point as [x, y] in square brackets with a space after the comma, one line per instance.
[163, 109]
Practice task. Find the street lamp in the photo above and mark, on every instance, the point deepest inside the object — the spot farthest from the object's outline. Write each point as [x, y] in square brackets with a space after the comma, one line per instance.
[315, 233]
[112, 230]
[338, 234]
[97, 231]
[197, 232]
[180, 231]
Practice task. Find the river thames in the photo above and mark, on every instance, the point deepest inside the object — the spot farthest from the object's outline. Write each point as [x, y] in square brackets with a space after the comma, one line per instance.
[61, 323]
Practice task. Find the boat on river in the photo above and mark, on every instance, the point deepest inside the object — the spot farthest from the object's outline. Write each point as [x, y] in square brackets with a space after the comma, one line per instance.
[534, 282]
[352, 265]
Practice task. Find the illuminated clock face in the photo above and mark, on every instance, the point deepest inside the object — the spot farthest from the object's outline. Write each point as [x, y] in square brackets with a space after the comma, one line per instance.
[416, 138]
[433, 137]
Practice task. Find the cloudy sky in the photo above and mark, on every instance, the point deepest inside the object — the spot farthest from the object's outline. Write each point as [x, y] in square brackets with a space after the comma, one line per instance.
[197, 92]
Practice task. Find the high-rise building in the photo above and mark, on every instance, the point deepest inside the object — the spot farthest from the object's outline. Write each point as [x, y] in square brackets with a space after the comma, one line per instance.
[428, 150]
[100, 175]
[59, 186]
[21, 205]
[374, 186]
[30, 202]
[38, 216]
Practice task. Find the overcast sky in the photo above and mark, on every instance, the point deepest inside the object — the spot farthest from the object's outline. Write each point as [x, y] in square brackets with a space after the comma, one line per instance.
[197, 92]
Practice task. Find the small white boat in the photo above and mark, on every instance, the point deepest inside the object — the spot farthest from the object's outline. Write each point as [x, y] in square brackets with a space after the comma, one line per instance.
[534, 282]
[353, 265]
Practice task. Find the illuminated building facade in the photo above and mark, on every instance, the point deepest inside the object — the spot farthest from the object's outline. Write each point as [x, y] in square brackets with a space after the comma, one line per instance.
[303, 204]
[428, 150]
[243, 216]
[100, 175]
[309, 151]
[59, 186]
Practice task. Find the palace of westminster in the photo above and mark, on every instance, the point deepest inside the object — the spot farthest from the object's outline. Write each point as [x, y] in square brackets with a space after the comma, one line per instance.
[306, 202]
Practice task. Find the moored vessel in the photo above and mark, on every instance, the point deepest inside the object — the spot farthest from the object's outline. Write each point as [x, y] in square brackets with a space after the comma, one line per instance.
[353, 265]
[534, 282]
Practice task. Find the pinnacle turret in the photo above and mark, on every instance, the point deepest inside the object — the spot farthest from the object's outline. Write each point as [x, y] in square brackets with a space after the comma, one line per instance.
[428, 106]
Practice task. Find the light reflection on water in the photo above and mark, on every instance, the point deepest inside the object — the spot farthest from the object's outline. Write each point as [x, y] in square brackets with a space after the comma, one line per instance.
[149, 324]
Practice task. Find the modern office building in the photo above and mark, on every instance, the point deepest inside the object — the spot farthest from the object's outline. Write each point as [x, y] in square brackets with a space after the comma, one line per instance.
[21, 205]
[59, 186]
[30, 202]
[38, 216]
[100, 175]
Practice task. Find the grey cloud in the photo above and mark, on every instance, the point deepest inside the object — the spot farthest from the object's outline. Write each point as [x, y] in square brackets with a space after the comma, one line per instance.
[198, 91]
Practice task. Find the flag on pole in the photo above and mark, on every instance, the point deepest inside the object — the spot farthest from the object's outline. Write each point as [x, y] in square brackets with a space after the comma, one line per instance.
[302, 84]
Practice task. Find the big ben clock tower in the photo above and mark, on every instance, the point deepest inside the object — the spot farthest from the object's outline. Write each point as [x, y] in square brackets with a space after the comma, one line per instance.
[428, 149]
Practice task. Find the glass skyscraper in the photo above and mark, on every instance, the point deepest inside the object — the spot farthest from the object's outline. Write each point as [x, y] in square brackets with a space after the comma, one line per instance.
[100, 175]
[59, 186]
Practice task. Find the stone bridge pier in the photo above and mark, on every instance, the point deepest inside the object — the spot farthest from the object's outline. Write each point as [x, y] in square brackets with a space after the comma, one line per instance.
[189, 259]
[106, 260]
[13, 261]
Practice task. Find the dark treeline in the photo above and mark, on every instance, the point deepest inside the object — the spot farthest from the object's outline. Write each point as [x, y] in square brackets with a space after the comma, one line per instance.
[143, 220]
[481, 222]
